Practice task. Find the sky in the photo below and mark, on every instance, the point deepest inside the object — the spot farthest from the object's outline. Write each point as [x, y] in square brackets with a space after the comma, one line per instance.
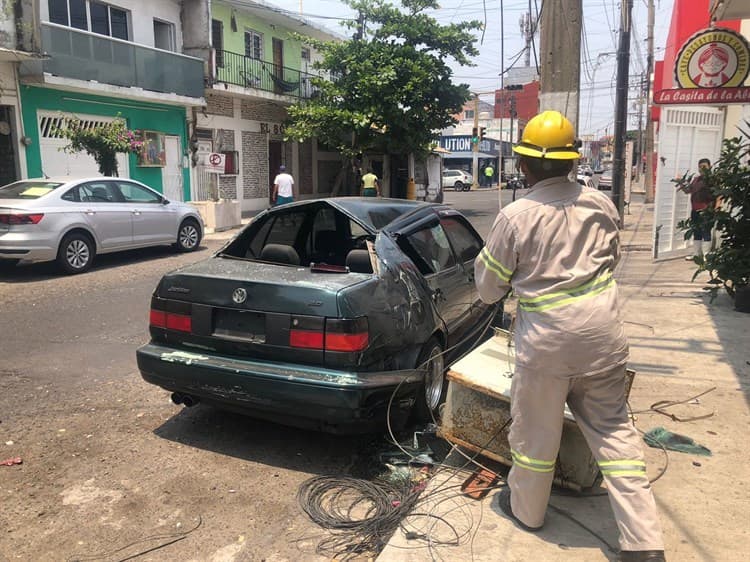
[599, 44]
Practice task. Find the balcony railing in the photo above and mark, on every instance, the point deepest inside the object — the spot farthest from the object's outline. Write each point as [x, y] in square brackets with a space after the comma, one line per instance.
[87, 56]
[248, 72]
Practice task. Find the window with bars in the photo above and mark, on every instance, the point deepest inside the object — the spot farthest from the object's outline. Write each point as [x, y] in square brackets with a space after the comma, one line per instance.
[253, 44]
[217, 41]
[51, 125]
[92, 16]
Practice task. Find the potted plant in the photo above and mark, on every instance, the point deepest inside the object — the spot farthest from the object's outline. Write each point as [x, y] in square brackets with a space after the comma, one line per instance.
[728, 263]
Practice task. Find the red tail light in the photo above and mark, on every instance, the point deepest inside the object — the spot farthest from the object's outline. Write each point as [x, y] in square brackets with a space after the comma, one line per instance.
[306, 339]
[170, 321]
[13, 218]
[347, 342]
[340, 334]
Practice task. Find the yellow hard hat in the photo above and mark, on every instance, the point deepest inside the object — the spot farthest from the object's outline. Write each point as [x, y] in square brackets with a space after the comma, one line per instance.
[548, 135]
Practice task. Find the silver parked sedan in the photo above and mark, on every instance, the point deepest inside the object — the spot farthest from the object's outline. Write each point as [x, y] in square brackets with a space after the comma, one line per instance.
[73, 220]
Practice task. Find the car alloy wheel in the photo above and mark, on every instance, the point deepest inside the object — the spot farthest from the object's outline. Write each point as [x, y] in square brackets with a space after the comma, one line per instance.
[434, 378]
[76, 253]
[432, 391]
[188, 236]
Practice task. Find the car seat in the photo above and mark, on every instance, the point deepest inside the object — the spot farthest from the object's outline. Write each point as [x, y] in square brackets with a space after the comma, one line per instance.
[279, 253]
[358, 261]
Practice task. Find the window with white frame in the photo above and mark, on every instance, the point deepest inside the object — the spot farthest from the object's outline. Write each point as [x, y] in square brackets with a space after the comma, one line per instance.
[469, 114]
[306, 54]
[89, 15]
[164, 35]
[253, 44]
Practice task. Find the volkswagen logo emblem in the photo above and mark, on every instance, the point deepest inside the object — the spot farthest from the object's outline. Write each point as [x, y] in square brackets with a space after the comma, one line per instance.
[239, 295]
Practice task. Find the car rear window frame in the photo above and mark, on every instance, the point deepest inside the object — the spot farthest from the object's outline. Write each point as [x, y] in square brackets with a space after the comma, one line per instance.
[29, 185]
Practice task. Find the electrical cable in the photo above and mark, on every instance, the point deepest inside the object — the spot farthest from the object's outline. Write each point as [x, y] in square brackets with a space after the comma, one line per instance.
[174, 537]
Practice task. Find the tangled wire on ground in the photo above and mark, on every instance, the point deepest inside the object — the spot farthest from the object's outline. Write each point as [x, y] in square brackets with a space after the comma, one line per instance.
[362, 514]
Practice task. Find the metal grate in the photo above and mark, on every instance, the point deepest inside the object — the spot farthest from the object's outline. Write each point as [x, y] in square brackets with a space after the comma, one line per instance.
[50, 126]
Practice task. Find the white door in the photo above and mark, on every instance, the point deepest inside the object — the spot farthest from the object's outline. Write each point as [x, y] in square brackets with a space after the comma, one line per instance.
[55, 162]
[686, 134]
[171, 173]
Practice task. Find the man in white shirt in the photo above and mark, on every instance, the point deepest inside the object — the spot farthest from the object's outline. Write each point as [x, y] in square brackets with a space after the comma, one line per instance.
[282, 187]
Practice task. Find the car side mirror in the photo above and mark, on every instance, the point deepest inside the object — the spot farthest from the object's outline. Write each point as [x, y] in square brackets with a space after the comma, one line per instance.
[165, 201]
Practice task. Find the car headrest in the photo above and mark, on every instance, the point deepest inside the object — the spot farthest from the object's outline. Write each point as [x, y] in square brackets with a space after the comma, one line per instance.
[358, 261]
[279, 253]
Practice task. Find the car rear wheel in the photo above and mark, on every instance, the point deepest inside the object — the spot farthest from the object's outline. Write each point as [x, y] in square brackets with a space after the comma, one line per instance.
[188, 236]
[76, 253]
[432, 393]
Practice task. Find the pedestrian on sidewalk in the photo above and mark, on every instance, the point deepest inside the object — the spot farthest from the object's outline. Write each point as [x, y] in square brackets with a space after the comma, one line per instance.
[283, 190]
[489, 173]
[370, 184]
[557, 249]
[701, 197]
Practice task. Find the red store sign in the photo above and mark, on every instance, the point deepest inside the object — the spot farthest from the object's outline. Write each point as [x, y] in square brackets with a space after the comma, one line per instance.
[705, 96]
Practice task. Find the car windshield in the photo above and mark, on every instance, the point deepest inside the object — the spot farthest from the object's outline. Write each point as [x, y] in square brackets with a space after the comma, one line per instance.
[27, 189]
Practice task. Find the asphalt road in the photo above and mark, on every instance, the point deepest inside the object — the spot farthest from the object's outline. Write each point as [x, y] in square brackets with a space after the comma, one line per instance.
[108, 460]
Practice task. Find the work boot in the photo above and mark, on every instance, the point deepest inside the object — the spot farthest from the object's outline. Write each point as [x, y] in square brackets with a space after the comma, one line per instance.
[503, 501]
[642, 556]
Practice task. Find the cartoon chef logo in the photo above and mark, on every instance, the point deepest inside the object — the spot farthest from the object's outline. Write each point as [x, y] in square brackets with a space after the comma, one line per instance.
[713, 58]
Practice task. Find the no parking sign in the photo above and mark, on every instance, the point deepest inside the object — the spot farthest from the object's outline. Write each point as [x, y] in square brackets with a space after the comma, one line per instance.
[215, 162]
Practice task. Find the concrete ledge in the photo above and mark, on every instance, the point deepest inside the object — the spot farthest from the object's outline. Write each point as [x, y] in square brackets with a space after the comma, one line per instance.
[219, 215]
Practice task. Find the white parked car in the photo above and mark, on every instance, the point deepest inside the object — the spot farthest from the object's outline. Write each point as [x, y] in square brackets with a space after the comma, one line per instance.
[73, 220]
[457, 179]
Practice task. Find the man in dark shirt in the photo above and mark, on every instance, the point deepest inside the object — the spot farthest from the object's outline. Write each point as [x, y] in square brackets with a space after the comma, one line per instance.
[701, 197]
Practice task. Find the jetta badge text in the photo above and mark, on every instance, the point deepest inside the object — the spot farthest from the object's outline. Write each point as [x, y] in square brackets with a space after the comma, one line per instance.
[239, 295]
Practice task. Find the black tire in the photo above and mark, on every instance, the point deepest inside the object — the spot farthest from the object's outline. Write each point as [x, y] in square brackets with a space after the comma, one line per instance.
[76, 253]
[188, 236]
[431, 393]
[458, 186]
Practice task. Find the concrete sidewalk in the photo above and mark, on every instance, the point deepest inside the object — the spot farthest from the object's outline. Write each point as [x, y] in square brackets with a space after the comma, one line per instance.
[681, 345]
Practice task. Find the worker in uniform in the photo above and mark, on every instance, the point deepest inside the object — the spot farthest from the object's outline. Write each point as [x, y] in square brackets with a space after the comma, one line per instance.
[557, 249]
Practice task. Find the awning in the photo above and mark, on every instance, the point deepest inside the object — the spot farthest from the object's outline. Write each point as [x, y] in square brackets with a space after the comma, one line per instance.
[468, 154]
[11, 55]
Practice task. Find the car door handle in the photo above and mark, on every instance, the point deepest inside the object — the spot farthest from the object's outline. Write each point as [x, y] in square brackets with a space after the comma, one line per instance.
[136, 212]
[90, 212]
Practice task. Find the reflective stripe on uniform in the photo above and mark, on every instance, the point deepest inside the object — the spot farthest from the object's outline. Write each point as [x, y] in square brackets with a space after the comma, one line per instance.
[623, 467]
[561, 298]
[535, 465]
[495, 266]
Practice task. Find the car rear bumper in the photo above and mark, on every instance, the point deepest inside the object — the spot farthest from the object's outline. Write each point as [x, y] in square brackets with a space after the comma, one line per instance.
[297, 395]
[20, 246]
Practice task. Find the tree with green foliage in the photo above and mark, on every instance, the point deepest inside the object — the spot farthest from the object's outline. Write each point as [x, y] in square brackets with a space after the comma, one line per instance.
[390, 86]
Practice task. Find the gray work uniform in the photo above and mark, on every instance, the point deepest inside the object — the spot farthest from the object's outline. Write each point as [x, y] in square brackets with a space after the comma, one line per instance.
[557, 248]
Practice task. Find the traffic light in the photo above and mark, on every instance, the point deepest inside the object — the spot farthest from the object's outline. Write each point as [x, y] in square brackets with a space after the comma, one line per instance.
[474, 136]
[481, 133]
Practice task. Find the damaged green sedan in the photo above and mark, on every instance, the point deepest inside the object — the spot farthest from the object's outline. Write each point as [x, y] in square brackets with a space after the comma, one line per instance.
[327, 314]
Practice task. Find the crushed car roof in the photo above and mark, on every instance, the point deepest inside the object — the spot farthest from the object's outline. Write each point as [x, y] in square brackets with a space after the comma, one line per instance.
[377, 212]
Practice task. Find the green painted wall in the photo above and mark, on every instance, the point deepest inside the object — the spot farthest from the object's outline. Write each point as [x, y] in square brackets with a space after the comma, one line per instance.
[234, 41]
[170, 120]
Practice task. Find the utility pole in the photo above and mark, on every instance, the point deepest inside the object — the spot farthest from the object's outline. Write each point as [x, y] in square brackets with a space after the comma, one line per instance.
[621, 107]
[560, 46]
[525, 25]
[475, 148]
[649, 144]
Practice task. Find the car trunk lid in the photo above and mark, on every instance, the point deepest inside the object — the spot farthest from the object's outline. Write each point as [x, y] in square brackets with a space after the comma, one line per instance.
[241, 307]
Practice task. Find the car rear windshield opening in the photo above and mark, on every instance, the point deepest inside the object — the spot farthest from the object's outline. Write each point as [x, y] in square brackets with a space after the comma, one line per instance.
[27, 189]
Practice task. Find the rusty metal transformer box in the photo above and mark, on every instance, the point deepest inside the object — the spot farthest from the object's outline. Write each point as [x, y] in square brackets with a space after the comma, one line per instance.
[478, 406]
